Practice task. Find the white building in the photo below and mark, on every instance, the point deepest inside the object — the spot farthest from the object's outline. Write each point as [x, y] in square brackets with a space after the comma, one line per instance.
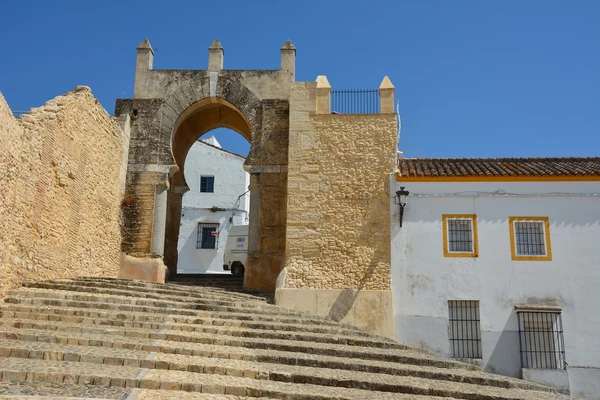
[498, 261]
[218, 199]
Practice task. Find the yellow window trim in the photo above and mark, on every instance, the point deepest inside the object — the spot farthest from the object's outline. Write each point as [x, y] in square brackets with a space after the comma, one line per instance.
[513, 241]
[473, 218]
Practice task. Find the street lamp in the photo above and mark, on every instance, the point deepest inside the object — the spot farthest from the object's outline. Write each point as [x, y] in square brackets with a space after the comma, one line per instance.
[401, 197]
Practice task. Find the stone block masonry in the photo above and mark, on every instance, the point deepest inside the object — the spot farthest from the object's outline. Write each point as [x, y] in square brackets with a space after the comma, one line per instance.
[338, 256]
[338, 234]
[62, 185]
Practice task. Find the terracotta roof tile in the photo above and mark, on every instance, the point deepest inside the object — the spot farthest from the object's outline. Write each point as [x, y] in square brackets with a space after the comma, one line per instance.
[495, 167]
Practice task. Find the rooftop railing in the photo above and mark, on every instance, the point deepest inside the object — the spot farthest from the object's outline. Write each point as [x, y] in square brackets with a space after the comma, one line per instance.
[355, 101]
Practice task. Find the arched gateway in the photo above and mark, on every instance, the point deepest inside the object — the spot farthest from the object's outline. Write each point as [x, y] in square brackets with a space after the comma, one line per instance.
[319, 215]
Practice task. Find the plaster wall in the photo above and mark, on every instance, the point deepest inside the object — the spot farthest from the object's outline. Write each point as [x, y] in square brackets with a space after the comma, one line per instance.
[230, 182]
[423, 280]
[63, 183]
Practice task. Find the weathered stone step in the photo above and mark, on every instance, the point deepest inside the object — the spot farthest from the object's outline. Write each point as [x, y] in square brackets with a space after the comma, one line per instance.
[167, 306]
[132, 318]
[147, 288]
[39, 314]
[40, 301]
[121, 376]
[267, 371]
[21, 389]
[165, 312]
[231, 352]
[123, 297]
[337, 350]
[183, 286]
[149, 394]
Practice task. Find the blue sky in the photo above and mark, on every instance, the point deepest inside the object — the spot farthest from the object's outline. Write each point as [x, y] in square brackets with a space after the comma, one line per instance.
[475, 78]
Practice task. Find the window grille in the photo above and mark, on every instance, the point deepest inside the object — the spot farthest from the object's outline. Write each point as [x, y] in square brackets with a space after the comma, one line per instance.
[530, 238]
[207, 184]
[464, 329]
[541, 340]
[205, 238]
[460, 235]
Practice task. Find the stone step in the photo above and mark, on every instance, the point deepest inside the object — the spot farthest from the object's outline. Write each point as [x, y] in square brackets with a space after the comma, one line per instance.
[329, 349]
[225, 317]
[146, 288]
[256, 370]
[25, 390]
[134, 377]
[22, 389]
[230, 352]
[184, 290]
[128, 297]
[40, 314]
[161, 311]
[132, 318]
[183, 285]
[149, 394]
[167, 306]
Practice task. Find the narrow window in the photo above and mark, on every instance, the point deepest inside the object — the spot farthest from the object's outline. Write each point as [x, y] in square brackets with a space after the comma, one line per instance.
[530, 238]
[460, 235]
[207, 184]
[541, 339]
[207, 236]
[464, 329]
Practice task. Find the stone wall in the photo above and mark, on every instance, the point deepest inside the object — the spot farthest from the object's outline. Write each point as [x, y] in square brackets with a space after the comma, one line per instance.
[338, 229]
[62, 185]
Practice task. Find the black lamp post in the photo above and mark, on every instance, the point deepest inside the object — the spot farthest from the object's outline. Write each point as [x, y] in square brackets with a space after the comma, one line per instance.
[401, 197]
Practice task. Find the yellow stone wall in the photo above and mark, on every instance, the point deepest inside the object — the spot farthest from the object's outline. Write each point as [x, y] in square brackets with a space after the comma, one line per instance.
[62, 185]
[338, 229]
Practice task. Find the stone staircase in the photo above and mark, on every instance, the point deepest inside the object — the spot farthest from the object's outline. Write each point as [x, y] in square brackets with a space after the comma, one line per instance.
[118, 339]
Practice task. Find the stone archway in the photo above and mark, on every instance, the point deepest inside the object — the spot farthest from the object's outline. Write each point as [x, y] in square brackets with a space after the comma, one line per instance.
[199, 118]
[167, 119]
[322, 227]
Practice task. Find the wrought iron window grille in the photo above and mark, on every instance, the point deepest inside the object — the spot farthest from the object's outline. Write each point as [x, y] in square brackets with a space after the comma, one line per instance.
[464, 329]
[530, 238]
[541, 339]
[206, 239]
[460, 235]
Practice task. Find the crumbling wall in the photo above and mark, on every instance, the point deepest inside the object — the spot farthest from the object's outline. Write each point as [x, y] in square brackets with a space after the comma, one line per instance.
[62, 185]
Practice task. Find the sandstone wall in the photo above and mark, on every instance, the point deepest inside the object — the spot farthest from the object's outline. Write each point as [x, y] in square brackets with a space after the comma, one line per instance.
[62, 180]
[338, 230]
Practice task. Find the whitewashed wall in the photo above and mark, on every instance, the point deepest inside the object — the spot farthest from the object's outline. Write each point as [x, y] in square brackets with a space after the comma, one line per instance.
[424, 280]
[230, 182]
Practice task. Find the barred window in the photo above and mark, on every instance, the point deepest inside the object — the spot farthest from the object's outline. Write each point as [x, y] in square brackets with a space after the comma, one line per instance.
[207, 236]
[460, 235]
[207, 184]
[530, 238]
[464, 330]
[541, 339]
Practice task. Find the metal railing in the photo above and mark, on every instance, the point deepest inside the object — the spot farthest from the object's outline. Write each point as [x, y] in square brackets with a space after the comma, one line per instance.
[17, 114]
[541, 340]
[355, 101]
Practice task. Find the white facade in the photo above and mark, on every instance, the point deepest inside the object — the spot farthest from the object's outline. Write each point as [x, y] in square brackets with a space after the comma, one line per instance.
[424, 278]
[227, 205]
